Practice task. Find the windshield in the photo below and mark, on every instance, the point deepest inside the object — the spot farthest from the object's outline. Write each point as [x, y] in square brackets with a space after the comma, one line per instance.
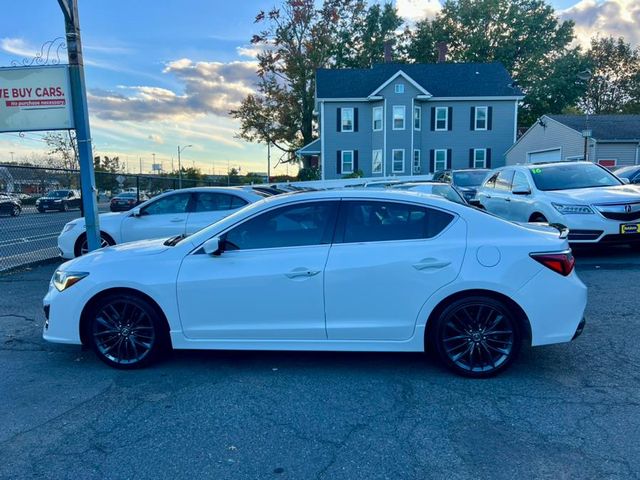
[469, 178]
[569, 176]
[627, 172]
[127, 195]
[58, 194]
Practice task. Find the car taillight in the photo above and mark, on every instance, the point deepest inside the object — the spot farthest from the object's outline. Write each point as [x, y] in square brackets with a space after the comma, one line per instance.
[561, 263]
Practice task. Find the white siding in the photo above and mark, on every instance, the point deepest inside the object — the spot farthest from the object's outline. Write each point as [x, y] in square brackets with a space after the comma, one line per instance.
[623, 153]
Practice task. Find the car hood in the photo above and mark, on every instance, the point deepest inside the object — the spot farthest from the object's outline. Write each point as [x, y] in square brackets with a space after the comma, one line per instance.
[616, 194]
[121, 252]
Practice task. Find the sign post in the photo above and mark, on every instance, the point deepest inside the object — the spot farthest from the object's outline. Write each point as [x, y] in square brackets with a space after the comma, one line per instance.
[81, 120]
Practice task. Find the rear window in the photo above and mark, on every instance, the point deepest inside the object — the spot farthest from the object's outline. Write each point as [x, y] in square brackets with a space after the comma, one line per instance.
[570, 176]
[371, 221]
[469, 178]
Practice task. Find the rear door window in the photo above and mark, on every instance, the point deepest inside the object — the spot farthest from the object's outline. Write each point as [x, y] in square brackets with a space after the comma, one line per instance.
[215, 201]
[374, 221]
[504, 180]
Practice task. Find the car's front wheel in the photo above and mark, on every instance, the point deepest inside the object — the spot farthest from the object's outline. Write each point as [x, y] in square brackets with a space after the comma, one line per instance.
[15, 211]
[82, 245]
[126, 331]
[477, 336]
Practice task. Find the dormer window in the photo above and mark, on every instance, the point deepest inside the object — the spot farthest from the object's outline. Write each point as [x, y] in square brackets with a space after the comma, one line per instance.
[399, 88]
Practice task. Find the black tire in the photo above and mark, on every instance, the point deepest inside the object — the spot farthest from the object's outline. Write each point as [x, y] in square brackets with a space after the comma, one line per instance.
[538, 217]
[15, 211]
[81, 247]
[477, 337]
[64, 207]
[126, 331]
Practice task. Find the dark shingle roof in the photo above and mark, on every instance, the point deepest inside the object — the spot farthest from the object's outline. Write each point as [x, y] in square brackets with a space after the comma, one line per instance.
[439, 79]
[604, 127]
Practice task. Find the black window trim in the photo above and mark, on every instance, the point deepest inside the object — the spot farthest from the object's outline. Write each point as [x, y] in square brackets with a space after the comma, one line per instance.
[223, 233]
[338, 236]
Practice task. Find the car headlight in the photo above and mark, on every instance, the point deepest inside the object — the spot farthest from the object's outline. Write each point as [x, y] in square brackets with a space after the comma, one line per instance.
[57, 201]
[38, 202]
[68, 226]
[572, 209]
[63, 280]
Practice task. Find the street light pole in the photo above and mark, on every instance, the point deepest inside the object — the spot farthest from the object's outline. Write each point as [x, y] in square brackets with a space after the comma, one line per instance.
[81, 121]
[180, 149]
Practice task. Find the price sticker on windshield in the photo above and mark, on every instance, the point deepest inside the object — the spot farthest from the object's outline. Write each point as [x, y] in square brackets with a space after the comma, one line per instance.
[536, 170]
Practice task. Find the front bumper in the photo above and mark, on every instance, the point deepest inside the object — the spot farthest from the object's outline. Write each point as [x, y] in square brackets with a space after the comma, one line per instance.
[67, 243]
[595, 229]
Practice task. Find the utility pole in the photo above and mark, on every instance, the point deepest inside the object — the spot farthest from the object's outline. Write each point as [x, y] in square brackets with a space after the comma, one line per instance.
[140, 160]
[268, 162]
[81, 121]
[11, 156]
[180, 149]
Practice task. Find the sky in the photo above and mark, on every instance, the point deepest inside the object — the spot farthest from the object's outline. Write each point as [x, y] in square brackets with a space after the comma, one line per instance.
[164, 73]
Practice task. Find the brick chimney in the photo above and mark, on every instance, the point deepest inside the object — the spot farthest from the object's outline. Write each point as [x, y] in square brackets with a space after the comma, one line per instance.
[388, 52]
[442, 51]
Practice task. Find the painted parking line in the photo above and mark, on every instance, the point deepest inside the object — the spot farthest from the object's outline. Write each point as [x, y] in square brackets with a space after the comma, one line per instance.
[22, 240]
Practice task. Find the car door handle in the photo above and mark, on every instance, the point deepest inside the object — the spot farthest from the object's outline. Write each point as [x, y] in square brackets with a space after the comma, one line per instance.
[302, 272]
[431, 263]
[176, 220]
[507, 199]
[488, 196]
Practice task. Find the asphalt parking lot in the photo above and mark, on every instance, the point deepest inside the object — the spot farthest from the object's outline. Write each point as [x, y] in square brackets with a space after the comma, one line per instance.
[562, 411]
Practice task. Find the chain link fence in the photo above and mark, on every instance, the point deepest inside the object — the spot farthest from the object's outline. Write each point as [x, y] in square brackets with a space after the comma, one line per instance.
[36, 203]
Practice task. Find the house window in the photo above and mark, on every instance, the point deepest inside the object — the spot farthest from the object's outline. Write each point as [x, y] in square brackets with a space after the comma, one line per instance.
[377, 119]
[347, 161]
[376, 161]
[399, 88]
[480, 158]
[442, 118]
[416, 161]
[398, 117]
[417, 118]
[440, 160]
[398, 161]
[347, 120]
[481, 118]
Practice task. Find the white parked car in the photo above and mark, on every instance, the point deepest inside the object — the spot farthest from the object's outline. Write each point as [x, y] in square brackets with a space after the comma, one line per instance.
[173, 213]
[444, 190]
[359, 270]
[595, 205]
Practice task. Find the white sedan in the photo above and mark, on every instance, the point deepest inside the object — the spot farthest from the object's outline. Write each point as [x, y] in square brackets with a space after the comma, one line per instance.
[596, 206]
[359, 270]
[173, 213]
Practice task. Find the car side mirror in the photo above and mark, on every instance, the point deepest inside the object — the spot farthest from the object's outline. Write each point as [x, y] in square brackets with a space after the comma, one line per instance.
[213, 246]
[135, 212]
[521, 191]
[624, 180]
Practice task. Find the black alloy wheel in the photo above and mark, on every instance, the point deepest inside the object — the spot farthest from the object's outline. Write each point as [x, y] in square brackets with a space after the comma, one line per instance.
[126, 331]
[477, 337]
[15, 211]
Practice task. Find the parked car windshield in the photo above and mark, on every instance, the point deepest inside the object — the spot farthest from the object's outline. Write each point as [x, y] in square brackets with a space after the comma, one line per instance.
[58, 194]
[627, 172]
[468, 178]
[127, 195]
[569, 176]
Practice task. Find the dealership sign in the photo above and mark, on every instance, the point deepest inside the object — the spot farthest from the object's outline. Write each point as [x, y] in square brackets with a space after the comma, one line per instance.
[35, 98]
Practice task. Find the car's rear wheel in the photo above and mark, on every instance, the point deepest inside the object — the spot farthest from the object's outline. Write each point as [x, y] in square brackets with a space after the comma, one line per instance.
[82, 245]
[126, 331]
[477, 337]
[15, 211]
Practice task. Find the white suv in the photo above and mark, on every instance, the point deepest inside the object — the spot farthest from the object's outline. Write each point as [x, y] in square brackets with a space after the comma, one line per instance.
[595, 205]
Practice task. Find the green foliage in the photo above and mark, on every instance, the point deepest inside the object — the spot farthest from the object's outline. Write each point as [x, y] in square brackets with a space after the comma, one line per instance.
[524, 35]
[309, 173]
[356, 174]
[614, 84]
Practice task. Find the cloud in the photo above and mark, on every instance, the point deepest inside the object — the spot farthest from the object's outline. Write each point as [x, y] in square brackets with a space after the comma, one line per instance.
[414, 10]
[619, 18]
[17, 46]
[209, 88]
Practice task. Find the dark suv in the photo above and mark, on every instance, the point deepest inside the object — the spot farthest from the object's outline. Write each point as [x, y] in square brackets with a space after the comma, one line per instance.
[61, 200]
[466, 180]
[10, 205]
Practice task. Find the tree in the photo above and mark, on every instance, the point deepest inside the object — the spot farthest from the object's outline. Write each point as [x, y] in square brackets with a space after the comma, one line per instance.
[63, 150]
[613, 85]
[524, 35]
[106, 171]
[361, 37]
[298, 39]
